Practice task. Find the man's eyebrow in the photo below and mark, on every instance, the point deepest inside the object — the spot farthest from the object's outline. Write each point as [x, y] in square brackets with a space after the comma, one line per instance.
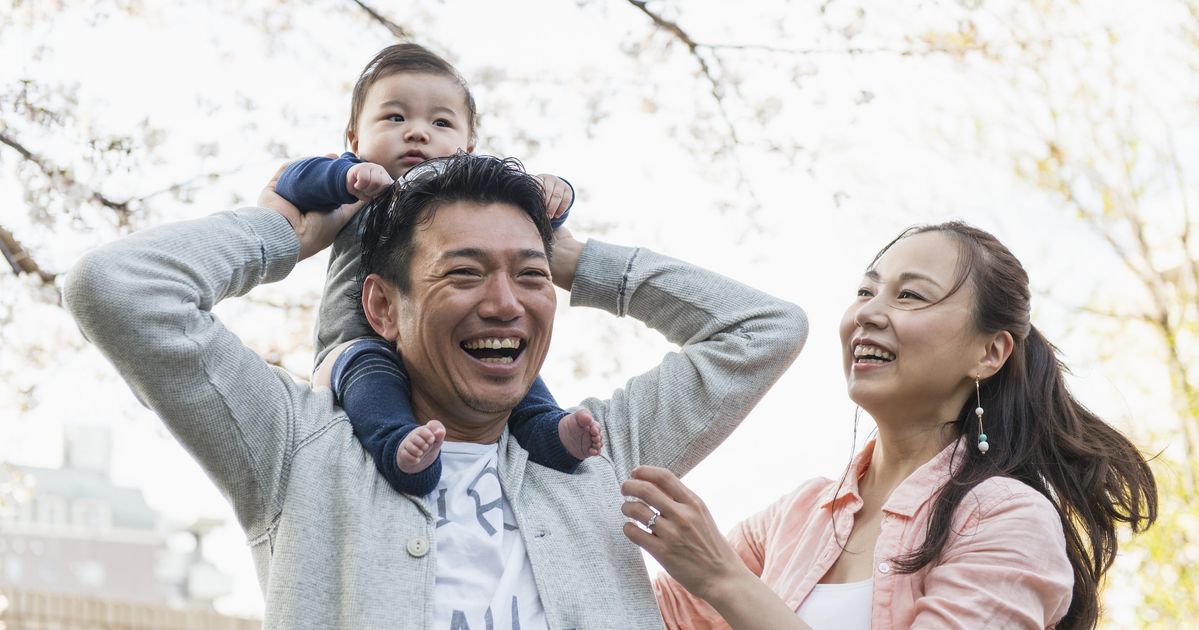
[873, 276]
[479, 254]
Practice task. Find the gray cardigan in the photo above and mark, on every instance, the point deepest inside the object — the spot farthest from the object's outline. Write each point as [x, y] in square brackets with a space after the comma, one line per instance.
[334, 545]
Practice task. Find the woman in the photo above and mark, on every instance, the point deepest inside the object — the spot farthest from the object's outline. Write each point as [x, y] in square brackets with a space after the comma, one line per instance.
[989, 498]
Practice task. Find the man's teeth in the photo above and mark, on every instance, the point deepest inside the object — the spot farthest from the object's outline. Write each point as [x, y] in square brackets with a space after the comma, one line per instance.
[492, 344]
[872, 352]
[497, 360]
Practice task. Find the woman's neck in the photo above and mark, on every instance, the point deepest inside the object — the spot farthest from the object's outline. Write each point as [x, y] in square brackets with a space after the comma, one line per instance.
[900, 450]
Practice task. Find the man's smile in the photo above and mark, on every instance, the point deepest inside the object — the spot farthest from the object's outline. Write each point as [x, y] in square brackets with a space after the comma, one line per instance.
[494, 350]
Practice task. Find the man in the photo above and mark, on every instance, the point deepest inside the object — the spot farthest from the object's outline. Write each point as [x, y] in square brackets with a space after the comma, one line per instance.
[334, 545]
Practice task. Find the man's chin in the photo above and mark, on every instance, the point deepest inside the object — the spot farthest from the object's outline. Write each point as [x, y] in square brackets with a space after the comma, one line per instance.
[492, 404]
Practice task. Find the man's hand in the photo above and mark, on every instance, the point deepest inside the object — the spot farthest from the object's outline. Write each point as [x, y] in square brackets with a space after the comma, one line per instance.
[366, 180]
[558, 195]
[316, 230]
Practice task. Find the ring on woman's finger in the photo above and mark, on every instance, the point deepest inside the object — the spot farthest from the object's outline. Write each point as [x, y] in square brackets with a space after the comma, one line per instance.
[650, 523]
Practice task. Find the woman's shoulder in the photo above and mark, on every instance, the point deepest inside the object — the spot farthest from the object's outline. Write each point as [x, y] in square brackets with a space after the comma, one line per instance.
[1007, 497]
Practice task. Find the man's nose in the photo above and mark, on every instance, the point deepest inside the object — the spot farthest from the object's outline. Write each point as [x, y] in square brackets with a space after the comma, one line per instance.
[500, 301]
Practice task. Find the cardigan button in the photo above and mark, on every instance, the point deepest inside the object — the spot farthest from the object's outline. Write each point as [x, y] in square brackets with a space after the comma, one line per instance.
[884, 567]
[417, 547]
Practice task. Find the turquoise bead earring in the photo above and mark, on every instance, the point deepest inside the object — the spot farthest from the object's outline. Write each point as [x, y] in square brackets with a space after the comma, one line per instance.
[983, 447]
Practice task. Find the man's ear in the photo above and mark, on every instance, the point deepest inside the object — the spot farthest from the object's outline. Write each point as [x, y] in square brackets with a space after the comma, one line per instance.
[379, 303]
[995, 354]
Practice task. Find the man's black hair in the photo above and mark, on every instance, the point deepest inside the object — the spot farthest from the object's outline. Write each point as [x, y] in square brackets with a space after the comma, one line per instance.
[390, 225]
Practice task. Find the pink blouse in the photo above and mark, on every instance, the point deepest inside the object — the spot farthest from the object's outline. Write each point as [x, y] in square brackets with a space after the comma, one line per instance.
[1003, 566]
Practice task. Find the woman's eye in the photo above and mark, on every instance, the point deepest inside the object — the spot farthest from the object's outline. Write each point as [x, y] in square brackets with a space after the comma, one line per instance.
[864, 293]
[909, 295]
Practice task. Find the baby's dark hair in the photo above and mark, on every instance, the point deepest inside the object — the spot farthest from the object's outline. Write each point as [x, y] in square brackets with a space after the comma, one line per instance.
[407, 58]
[390, 225]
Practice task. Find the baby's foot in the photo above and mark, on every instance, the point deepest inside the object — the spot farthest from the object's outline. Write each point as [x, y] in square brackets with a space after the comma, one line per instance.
[420, 447]
[580, 434]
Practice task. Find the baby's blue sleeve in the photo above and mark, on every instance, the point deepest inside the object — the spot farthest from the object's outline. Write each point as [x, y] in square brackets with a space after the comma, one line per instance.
[317, 183]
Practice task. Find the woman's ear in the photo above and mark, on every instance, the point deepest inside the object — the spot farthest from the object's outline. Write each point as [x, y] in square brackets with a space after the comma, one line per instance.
[379, 303]
[996, 353]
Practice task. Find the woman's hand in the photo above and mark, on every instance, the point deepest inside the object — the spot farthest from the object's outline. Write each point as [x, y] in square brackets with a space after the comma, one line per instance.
[686, 542]
[682, 535]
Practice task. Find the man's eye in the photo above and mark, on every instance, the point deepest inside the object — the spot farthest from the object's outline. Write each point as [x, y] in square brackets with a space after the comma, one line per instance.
[463, 271]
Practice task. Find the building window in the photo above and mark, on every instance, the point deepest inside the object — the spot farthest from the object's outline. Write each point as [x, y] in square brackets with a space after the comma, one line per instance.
[13, 570]
[51, 510]
[91, 514]
[89, 573]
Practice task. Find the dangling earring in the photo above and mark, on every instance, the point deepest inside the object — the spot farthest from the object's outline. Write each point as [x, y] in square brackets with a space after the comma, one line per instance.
[983, 447]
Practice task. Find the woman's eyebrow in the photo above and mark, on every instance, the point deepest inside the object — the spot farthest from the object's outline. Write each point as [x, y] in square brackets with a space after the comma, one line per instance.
[873, 276]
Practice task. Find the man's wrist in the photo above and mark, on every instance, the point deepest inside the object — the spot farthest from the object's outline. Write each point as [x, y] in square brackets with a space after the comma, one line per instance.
[567, 251]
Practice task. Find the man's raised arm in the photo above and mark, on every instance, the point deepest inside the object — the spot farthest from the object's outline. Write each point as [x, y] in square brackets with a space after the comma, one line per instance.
[145, 301]
[735, 343]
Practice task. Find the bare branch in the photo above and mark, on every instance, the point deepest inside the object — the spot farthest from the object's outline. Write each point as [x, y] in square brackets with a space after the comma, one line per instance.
[19, 259]
[64, 178]
[398, 31]
[677, 31]
[851, 51]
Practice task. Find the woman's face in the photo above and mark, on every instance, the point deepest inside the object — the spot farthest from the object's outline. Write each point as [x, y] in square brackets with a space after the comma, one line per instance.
[908, 350]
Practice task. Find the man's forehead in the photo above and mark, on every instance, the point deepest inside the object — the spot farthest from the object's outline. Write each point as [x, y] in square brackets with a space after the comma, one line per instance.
[477, 230]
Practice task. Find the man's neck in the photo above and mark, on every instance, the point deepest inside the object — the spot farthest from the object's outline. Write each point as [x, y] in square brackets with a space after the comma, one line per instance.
[461, 424]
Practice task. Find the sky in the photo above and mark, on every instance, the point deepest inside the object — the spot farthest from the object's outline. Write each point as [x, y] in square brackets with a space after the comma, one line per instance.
[584, 90]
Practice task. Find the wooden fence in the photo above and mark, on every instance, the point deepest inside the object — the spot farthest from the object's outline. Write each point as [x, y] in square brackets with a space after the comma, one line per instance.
[23, 610]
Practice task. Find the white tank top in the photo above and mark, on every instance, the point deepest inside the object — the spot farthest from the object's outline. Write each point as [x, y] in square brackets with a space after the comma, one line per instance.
[838, 606]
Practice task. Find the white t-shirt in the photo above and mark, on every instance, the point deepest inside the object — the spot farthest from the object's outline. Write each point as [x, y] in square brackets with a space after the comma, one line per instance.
[838, 606]
[484, 579]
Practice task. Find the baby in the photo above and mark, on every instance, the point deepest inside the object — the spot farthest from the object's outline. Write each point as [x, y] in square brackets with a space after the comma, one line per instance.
[410, 105]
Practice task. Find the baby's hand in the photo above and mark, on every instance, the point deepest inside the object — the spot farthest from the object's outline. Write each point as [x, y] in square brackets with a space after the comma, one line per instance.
[367, 179]
[558, 195]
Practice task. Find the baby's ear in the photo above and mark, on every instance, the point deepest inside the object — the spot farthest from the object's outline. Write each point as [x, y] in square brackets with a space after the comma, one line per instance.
[353, 142]
[470, 148]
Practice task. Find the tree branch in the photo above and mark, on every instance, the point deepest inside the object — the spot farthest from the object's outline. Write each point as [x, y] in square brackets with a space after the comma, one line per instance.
[398, 31]
[65, 179]
[693, 47]
[19, 259]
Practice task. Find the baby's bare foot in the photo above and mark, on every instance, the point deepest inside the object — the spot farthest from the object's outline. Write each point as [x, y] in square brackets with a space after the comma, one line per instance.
[580, 434]
[420, 447]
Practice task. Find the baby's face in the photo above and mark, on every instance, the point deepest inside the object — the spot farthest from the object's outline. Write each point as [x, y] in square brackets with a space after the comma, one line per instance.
[408, 118]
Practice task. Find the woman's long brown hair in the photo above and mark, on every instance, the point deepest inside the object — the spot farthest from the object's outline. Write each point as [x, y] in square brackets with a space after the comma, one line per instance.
[1038, 433]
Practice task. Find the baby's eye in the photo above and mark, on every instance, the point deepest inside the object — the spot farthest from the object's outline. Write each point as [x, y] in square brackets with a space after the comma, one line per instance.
[396, 118]
[441, 122]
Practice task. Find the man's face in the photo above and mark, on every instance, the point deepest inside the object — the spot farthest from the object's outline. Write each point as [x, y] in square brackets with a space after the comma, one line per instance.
[476, 323]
